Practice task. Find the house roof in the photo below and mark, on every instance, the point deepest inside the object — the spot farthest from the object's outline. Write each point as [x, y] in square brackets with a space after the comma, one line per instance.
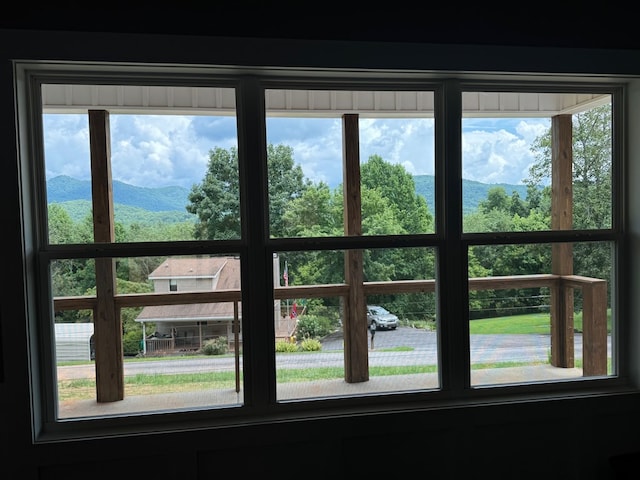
[226, 268]
[195, 267]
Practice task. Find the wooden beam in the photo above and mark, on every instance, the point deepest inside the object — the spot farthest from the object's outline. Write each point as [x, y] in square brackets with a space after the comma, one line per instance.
[562, 337]
[356, 354]
[594, 328]
[106, 317]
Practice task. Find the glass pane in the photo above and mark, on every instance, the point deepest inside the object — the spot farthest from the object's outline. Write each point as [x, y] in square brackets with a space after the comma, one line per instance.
[195, 365]
[520, 314]
[319, 355]
[508, 166]
[305, 161]
[176, 355]
[398, 196]
[175, 177]
[73, 277]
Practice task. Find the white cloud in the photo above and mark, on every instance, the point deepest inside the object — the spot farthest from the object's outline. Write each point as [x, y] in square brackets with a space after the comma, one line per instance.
[158, 150]
[496, 155]
[408, 142]
[316, 144]
[174, 150]
[67, 146]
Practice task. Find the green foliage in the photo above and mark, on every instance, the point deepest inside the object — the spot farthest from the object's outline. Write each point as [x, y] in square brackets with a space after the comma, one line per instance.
[394, 184]
[61, 229]
[286, 346]
[131, 343]
[128, 215]
[310, 345]
[312, 326]
[215, 346]
[216, 201]
[317, 212]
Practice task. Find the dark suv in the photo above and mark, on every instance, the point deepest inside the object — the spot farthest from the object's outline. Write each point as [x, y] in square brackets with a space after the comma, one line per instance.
[379, 318]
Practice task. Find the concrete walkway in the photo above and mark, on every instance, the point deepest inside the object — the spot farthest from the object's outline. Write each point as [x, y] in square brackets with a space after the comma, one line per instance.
[306, 390]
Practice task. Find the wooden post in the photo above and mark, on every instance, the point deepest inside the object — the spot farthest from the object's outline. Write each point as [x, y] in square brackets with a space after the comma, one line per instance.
[356, 355]
[106, 316]
[594, 328]
[562, 338]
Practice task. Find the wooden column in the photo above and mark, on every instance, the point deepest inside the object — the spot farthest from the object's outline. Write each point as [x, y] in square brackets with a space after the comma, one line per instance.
[106, 316]
[356, 355]
[562, 349]
[594, 328]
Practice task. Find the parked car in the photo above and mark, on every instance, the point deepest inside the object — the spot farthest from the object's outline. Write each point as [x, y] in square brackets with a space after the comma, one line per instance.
[379, 318]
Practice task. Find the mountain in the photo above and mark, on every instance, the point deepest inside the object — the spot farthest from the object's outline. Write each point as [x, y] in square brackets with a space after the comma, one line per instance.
[472, 192]
[167, 204]
[131, 203]
[63, 189]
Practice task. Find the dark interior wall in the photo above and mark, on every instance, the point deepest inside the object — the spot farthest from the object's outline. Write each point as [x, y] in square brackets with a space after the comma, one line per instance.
[564, 439]
[548, 24]
[575, 440]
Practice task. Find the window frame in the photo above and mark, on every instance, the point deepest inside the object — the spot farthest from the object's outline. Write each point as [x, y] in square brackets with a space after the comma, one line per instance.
[256, 249]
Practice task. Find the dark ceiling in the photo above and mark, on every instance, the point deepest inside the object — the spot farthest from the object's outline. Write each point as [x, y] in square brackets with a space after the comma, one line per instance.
[558, 24]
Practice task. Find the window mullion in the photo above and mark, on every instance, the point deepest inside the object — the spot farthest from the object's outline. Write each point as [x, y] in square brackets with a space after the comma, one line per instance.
[453, 305]
[257, 259]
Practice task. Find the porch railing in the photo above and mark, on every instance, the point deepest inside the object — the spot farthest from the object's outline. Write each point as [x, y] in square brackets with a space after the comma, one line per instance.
[594, 315]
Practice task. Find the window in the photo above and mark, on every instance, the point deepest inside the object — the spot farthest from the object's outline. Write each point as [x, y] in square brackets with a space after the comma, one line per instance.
[245, 240]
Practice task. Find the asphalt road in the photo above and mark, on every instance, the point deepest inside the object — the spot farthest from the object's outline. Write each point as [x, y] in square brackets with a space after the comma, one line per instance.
[484, 348]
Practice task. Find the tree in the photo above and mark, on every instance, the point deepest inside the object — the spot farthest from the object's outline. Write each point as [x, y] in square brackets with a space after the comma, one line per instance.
[397, 186]
[61, 226]
[592, 201]
[390, 206]
[216, 201]
[286, 183]
[591, 167]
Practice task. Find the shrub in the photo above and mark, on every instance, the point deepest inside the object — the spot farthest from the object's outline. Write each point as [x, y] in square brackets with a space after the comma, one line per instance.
[131, 343]
[215, 346]
[286, 346]
[312, 326]
[310, 345]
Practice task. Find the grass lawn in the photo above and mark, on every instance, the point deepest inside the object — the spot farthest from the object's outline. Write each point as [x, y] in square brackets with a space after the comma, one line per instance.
[538, 323]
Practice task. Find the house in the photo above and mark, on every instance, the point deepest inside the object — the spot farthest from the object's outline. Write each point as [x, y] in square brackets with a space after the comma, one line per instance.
[187, 327]
[546, 432]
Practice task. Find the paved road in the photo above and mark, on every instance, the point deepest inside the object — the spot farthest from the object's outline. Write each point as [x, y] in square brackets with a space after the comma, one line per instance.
[484, 348]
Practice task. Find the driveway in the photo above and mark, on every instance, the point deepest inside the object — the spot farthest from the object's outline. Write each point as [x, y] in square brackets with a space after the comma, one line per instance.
[484, 348]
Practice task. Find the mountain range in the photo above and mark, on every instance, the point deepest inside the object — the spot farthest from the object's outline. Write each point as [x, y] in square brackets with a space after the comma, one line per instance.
[131, 203]
[167, 204]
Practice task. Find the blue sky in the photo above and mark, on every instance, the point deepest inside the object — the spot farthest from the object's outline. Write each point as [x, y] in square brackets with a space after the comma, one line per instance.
[157, 151]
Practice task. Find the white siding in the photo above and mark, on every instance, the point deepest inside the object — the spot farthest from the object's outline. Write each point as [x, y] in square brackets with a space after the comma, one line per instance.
[73, 341]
